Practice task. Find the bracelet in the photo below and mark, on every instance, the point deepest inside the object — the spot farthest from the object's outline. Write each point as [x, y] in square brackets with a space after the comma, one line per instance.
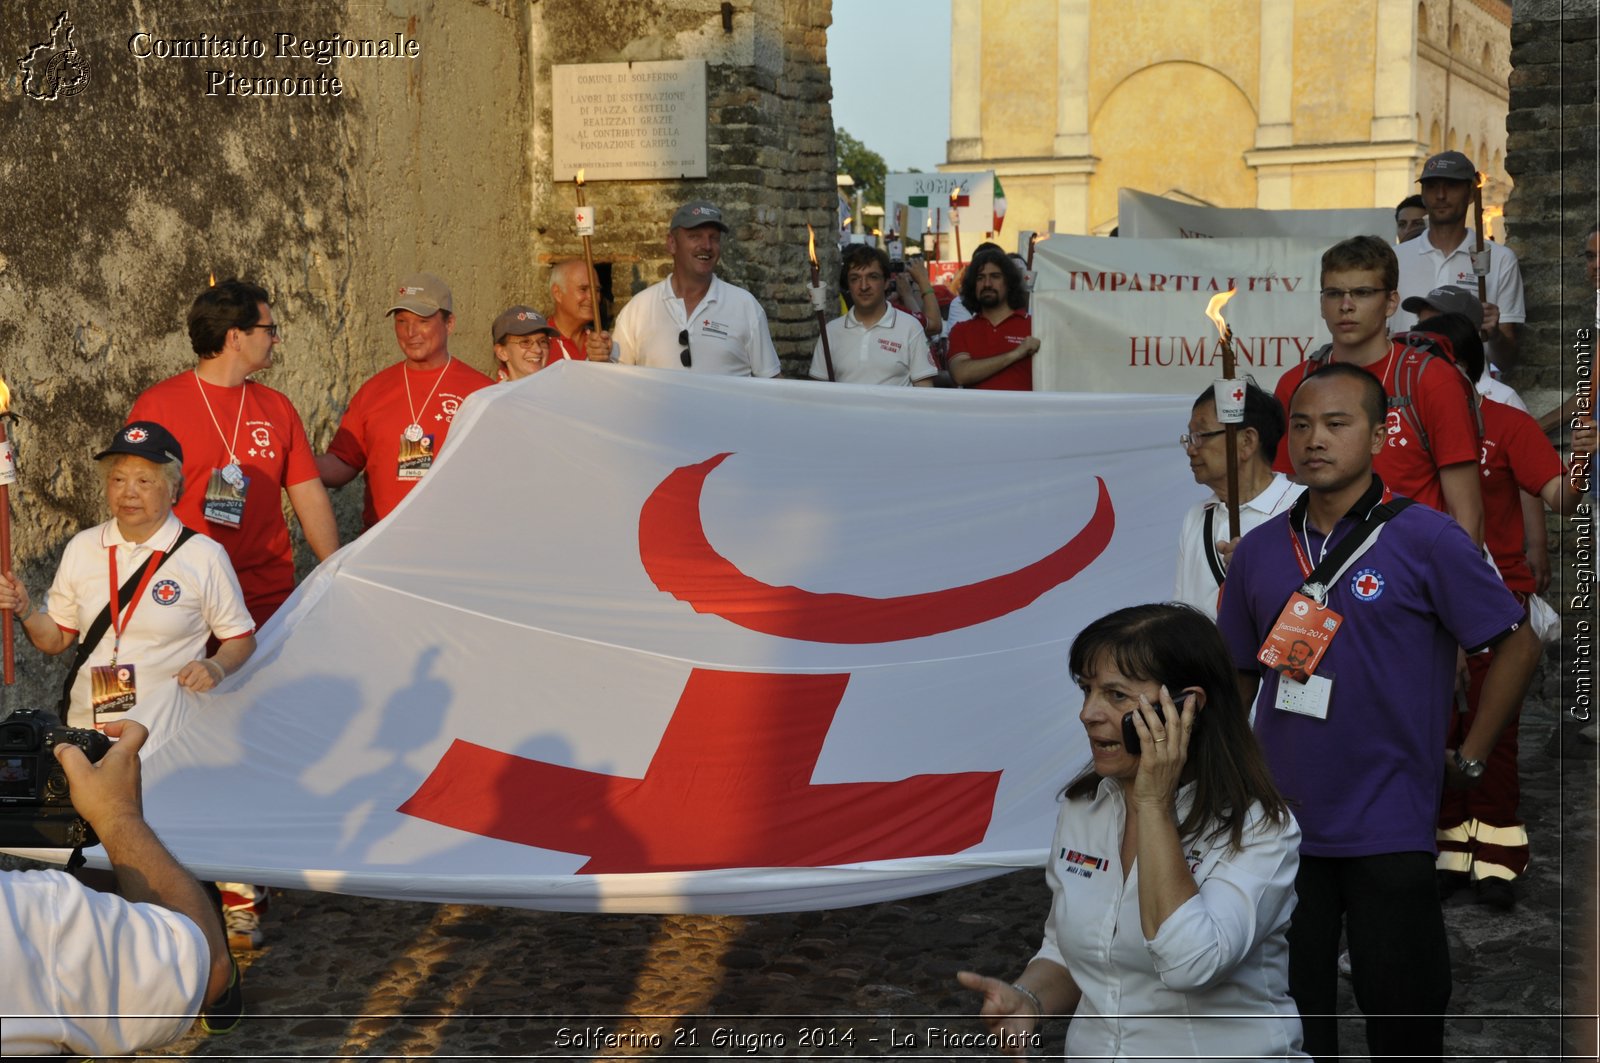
[1038, 1008]
[22, 618]
[222, 673]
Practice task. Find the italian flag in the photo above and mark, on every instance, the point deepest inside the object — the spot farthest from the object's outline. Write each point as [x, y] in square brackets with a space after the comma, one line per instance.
[999, 204]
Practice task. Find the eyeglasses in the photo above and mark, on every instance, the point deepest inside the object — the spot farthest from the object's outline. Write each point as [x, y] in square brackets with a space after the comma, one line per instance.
[1187, 441]
[272, 330]
[1359, 295]
[684, 356]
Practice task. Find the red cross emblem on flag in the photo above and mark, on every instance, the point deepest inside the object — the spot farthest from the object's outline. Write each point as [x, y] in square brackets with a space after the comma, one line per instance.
[1367, 584]
[1238, 394]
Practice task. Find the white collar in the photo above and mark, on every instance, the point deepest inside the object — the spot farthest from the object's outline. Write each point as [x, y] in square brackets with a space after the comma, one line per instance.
[886, 321]
[161, 539]
[1267, 499]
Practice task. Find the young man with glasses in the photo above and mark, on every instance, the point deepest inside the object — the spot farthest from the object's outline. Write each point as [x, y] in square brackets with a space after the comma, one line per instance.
[1358, 297]
[695, 319]
[1204, 544]
[244, 448]
[874, 343]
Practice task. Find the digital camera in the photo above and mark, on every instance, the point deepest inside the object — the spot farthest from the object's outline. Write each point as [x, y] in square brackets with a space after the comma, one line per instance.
[35, 808]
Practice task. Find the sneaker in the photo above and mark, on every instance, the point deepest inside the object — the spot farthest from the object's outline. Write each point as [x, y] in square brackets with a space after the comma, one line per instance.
[224, 1013]
[1496, 893]
[244, 929]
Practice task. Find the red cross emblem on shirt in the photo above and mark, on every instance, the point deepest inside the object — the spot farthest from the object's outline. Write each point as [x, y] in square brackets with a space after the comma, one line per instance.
[1367, 584]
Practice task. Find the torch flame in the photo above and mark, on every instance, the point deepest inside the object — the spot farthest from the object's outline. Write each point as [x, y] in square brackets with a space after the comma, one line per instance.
[5, 397]
[213, 278]
[580, 176]
[1481, 176]
[811, 244]
[954, 195]
[1214, 310]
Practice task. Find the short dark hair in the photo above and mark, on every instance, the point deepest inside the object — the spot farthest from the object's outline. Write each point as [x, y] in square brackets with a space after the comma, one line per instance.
[1462, 335]
[1262, 411]
[859, 256]
[1363, 252]
[1374, 399]
[1412, 200]
[1016, 291]
[1179, 646]
[231, 304]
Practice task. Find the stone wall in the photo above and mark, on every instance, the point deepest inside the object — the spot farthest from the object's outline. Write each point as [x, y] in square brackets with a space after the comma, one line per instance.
[123, 193]
[1551, 154]
[770, 151]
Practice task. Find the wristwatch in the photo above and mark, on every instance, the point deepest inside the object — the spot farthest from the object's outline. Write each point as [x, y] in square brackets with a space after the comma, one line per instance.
[1472, 769]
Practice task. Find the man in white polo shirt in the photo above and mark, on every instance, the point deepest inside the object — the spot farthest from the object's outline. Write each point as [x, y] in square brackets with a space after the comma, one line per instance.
[1443, 255]
[874, 343]
[695, 319]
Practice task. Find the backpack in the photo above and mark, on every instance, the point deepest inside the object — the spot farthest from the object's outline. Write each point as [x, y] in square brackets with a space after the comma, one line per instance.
[1417, 350]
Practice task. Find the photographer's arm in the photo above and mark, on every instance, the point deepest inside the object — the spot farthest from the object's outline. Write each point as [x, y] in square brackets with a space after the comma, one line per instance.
[45, 634]
[107, 795]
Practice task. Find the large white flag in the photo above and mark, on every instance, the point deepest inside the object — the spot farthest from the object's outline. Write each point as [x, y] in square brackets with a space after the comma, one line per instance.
[1130, 315]
[666, 641]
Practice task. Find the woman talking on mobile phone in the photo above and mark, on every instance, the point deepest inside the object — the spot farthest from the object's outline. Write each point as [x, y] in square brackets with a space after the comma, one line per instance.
[1172, 870]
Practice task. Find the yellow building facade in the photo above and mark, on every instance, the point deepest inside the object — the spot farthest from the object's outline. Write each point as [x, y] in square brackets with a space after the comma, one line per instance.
[1231, 103]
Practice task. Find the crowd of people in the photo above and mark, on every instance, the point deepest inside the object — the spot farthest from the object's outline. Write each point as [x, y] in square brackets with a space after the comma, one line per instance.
[1267, 780]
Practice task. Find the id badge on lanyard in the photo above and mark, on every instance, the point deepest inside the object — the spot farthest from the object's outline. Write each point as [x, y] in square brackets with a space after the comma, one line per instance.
[113, 688]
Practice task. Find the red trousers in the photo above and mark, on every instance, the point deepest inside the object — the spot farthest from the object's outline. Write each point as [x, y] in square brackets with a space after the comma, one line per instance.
[1479, 831]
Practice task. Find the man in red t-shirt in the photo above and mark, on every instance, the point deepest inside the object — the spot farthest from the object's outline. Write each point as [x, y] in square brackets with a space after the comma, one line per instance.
[398, 420]
[1481, 834]
[994, 349]
[243, 445]
[1359, 276]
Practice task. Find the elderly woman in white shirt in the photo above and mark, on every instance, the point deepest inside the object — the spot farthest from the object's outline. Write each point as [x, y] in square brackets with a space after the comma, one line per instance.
[1172, 870]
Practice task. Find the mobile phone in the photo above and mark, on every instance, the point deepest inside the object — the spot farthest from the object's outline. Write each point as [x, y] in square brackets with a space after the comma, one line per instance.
[1130, 737]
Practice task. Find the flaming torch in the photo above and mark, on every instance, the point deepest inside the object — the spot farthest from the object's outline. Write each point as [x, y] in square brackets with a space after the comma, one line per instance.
[8, 476]
[1480, 256]
[583, 218]
[819, 298]
[1228, 397]
[955, 224]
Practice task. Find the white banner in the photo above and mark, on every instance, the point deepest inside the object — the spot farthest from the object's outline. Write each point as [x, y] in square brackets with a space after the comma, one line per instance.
[1143, 216]
[1129, 315]
[666, 641]
[928, 197]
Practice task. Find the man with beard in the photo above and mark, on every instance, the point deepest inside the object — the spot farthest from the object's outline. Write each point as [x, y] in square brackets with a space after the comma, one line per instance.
[993, 349]
[695, 319]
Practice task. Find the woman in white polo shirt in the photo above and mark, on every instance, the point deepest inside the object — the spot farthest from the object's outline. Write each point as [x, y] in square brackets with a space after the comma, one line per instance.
[173, 590]
[1172, 870]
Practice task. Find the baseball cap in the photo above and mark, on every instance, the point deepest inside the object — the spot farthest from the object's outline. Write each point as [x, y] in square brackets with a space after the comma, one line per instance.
[1449, 166]
[1447, 299]
[147, 440]
[695, 213]
[521, 321]
[423, 294]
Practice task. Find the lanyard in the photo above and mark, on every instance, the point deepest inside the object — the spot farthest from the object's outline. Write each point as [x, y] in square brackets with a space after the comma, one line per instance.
[119, 625]
[233, 447]
[405, 377]
[1351, 547]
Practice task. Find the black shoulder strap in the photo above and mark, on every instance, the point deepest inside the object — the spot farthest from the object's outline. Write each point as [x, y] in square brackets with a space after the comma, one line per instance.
[97, 630]
[1333, 564]
[1217, 571]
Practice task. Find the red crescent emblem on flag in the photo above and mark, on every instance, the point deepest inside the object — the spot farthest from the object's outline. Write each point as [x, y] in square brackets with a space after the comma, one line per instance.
[683, 563]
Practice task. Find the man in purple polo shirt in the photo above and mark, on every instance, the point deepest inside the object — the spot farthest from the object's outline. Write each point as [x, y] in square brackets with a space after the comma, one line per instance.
[1355, 748]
